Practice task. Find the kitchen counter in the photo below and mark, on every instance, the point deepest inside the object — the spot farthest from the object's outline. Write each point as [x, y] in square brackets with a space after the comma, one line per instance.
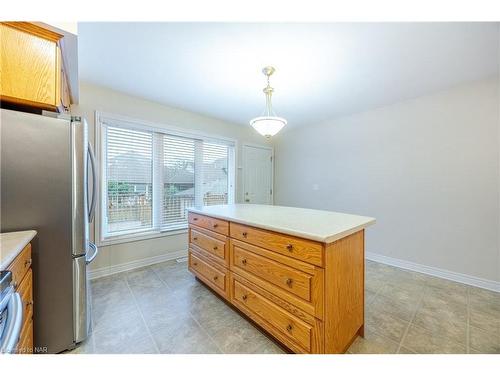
[11, 244]
[316, 225]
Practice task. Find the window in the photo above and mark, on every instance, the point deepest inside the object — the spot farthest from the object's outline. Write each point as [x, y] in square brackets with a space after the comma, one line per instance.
[215, 174]
[151, 175]
[129, 180]
[178, 180]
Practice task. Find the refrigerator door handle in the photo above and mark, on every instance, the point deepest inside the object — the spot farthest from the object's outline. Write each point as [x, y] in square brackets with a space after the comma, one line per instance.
[81, 304]
[95, 249]
[94, 183]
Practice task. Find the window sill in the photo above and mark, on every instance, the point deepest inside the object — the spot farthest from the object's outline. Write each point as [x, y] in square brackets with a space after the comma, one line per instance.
[134, 237]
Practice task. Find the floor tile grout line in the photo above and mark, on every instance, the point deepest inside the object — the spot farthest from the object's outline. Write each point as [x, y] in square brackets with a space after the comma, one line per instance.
[458, 342]
[98, 330]
[159, 277]
[405, 333]
[142, 316]
[376, 294]
[192, 316]
[206, 333]
[395, 317]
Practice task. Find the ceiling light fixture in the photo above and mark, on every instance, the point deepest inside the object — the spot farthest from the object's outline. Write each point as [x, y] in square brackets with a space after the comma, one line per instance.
[269, 124]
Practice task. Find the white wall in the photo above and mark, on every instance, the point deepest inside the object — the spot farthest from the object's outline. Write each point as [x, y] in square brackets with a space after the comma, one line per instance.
[95, 98]
[427, 169]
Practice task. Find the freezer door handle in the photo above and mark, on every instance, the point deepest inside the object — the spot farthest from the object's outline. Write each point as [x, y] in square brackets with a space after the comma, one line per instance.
[95, 250]
[13, 325]
[81, 305]
[94, 183]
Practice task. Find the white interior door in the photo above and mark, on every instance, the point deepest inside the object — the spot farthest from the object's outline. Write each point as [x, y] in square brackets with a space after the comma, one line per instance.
[257, 175]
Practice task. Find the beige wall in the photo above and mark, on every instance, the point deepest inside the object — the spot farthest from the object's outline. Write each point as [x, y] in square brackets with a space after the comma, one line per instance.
[427, 169]
[95, 98]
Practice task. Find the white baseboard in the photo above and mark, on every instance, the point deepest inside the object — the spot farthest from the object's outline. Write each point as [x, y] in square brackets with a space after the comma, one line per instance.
[433, 271]
[117, 268]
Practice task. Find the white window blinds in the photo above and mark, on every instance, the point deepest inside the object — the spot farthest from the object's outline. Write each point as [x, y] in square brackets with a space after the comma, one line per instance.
[129, 180]
[151, 177]
[178, 180]
[215, 172]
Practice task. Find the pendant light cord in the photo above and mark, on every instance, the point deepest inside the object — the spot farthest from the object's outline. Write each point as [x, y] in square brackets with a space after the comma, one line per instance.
[268, 90]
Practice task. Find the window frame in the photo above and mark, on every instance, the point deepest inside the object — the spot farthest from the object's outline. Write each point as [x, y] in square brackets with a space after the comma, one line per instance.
[103, 118]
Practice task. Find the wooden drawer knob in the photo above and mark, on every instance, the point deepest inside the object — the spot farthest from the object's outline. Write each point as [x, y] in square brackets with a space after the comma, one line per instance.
[289, 282]
[195, 238]
[27, 263]
[195, 218]
[244, 297]
[216, 278]
[245, 234]
[195, 263]
[244, 262]
[215, 247]
[215, 225]
[289, 247]
[289, 328]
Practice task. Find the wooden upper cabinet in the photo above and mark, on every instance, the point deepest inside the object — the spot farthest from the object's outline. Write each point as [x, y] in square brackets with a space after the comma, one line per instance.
[31, 67]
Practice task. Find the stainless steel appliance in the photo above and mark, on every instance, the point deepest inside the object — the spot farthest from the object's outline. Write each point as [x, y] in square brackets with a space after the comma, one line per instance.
[46, 166]
[11, 314]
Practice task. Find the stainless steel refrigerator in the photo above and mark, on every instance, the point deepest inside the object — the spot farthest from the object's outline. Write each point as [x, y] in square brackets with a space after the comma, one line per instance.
[46, 167]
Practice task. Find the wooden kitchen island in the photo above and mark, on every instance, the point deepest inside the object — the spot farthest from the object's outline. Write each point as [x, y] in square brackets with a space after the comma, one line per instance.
[297, 273]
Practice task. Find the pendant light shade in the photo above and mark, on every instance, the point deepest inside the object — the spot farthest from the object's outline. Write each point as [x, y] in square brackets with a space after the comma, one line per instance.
[269, 124]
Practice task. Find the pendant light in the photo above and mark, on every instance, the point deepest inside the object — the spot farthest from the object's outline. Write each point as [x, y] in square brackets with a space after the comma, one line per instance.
[269, 124]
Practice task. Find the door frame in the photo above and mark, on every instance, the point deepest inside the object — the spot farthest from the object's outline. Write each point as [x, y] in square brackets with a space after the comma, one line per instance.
[244, 165]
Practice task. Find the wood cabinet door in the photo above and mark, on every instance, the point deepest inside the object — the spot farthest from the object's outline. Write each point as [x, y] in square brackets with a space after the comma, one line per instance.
[30, 65]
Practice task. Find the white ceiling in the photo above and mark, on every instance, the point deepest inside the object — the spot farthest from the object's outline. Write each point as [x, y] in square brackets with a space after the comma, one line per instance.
[323, 70]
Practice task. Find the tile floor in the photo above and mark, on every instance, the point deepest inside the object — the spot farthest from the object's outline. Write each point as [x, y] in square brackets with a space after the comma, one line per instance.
[163, 309]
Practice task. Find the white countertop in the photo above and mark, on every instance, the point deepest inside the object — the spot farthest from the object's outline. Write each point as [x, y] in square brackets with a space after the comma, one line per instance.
[316, 225]
[11, 244]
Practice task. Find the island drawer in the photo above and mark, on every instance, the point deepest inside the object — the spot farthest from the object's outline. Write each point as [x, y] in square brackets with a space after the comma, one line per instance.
[20, 265]
[209, 272]
[211, 223]
[287, 278]
[300, 283]
[212, 243]
[289, 329]
[294, 247]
